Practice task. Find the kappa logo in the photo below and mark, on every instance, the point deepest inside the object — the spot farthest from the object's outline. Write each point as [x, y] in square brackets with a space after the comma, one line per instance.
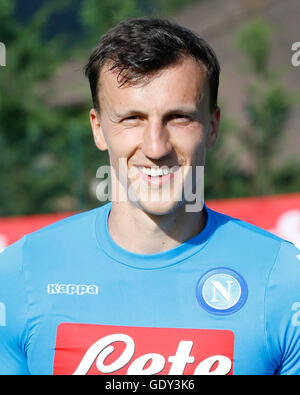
[221, 291]
[72, 289]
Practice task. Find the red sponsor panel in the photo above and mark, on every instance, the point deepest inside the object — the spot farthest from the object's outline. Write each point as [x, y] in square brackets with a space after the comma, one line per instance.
[261, 211]
[87, 349]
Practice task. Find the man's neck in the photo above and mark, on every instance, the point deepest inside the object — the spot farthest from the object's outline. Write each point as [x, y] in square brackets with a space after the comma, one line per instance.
[141, 233]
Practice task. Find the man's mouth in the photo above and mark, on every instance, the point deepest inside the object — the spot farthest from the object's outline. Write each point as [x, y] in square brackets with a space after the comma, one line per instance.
[157, 171]
[157, 175]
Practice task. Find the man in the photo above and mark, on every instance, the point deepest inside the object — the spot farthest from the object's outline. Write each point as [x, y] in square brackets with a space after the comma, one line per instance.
[147, 285]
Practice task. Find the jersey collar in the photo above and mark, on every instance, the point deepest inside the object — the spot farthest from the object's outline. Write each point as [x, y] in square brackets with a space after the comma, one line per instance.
[151, 261]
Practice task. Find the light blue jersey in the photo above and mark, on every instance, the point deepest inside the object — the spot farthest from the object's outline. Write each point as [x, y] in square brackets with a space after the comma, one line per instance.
[74, 302]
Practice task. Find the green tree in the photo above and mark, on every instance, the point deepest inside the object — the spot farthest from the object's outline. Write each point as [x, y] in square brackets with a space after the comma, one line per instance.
[99, 15]
[223, 178]
[33, 165]
[267, 108]
[268, 105]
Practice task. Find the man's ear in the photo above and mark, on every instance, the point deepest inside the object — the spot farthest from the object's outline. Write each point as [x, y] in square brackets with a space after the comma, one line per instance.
[97, 130]
[213, 128]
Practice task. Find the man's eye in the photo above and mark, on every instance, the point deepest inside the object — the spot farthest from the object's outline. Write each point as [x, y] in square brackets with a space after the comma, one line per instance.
[131, 121]
[131, 118]
[179, 118]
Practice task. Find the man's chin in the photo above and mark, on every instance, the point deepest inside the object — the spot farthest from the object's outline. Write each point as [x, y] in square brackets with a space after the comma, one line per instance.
[159, 207]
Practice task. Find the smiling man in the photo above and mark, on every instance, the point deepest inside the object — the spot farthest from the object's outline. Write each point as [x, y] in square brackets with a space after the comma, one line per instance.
[151, 125]
[155, 283]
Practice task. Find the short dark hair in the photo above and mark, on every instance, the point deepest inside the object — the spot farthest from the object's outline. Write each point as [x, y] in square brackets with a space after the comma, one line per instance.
[137, 48]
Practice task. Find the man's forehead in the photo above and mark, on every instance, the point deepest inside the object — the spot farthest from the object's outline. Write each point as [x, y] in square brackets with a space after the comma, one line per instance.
[184, 80]
[118, 76]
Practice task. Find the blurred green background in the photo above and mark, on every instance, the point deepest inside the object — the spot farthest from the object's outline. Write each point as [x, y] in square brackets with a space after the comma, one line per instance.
[48, 160]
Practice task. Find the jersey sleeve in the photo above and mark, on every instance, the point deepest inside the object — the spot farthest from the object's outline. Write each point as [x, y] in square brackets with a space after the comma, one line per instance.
[12, 312]
[282, 311]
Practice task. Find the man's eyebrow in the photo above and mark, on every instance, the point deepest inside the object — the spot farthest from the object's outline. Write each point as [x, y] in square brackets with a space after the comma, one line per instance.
[190, 111]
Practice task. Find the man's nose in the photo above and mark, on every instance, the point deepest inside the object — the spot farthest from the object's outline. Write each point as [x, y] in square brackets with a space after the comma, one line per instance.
[156, 143]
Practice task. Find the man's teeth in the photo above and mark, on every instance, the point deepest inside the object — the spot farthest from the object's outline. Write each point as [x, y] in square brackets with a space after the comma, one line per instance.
[156, 172]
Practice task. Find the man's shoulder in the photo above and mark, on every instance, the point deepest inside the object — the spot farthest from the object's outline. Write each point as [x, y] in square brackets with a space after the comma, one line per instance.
[65, 233]
[242, 233]
[69, 226]
[243, 229]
